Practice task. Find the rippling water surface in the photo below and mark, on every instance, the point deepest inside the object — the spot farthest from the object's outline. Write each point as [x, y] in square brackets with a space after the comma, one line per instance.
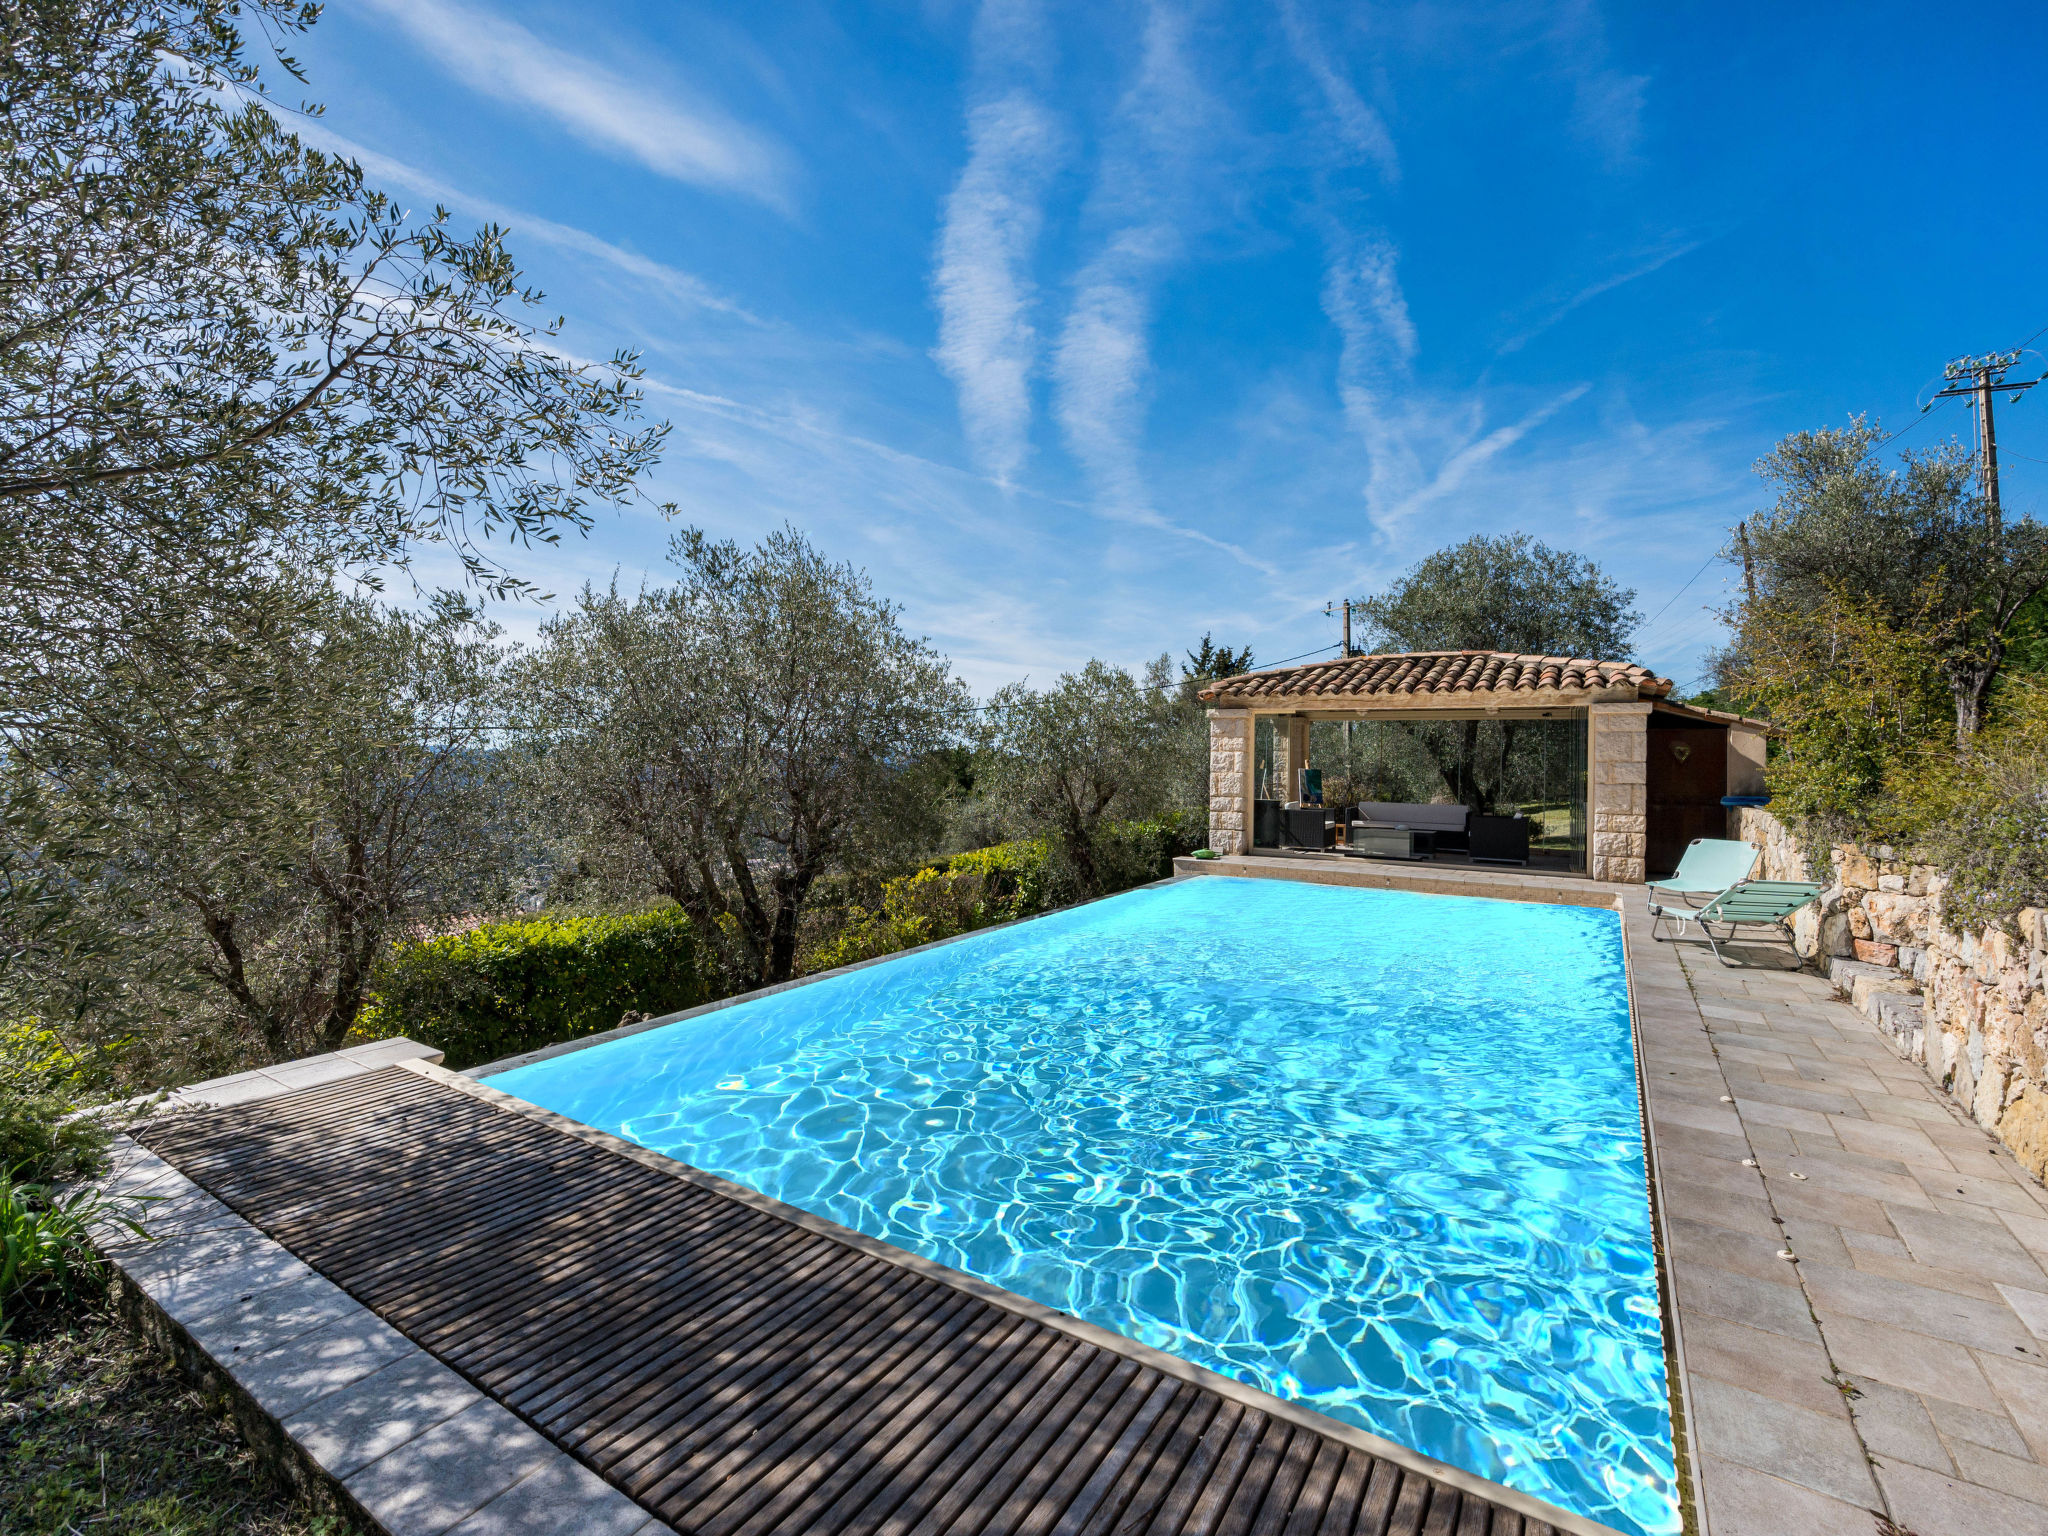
[1373, 1151]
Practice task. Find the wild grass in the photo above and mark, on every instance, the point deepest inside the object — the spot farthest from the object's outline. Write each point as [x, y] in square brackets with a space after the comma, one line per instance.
[99, 1435]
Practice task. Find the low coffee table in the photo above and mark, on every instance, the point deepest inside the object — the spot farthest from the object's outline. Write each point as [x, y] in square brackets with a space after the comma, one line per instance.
[1393, 842]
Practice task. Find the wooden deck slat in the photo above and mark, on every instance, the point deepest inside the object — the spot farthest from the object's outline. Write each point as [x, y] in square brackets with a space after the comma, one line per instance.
[820, 1440]
[1132, 1502]
[742, 1374]
[892, 1443]
[1347, 1496]
[685, 1440]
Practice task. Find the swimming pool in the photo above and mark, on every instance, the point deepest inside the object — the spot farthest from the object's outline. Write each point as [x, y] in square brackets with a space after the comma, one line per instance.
[1372, 1151]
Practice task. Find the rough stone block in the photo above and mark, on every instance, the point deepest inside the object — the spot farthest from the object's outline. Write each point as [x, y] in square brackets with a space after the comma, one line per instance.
[1856, 869]
[1865, 991]
[1843, 973]
[1874, 953]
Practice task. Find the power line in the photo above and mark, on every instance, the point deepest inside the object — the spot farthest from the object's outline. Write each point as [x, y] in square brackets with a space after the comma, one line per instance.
[1696, 575]
[1933, 410]
[1302, 657]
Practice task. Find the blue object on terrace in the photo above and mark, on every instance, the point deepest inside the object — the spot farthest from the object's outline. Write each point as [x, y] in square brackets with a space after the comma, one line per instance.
[1373, 1151]
[1737, 802]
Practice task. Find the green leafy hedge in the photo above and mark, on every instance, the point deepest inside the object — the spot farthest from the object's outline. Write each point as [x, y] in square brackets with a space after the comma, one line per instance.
[503, 988]
[998, 885]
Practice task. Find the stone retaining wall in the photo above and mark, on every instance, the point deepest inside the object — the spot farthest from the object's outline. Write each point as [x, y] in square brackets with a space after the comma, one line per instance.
[1970, 1008]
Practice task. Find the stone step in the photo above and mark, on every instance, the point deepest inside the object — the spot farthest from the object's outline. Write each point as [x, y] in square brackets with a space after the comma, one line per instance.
[1903, 1022]
[1843, 973]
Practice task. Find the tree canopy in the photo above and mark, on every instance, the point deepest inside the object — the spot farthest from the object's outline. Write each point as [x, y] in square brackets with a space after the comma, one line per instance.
[192, 300]
[732, 734]
[1510, 593]
[1912, 542]
[1095, 746]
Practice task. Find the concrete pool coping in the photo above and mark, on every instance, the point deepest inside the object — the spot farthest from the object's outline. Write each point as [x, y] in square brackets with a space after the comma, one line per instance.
[1669, 1036]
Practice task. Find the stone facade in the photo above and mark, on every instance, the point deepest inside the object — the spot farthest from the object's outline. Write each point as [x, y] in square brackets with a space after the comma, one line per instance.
[1290, 753]
[1618, 767]
[1230, 781]
[1970, 1008]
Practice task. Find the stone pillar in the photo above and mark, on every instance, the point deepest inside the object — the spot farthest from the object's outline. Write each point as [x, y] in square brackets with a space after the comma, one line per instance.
[1230, 780]
[1617, 772]
[1290, 754]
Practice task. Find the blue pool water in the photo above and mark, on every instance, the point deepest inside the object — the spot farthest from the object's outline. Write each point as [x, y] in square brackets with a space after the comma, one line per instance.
[1372, 1151]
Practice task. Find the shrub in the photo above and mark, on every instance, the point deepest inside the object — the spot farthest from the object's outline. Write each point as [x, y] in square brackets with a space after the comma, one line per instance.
[44, 1086]
[45, 1238]
[1982, 817]
[1013, 879]
[503, 988]
[1000, 884]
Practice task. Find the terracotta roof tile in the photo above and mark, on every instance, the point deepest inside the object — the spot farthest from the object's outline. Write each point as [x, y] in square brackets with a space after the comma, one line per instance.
[1439, 672]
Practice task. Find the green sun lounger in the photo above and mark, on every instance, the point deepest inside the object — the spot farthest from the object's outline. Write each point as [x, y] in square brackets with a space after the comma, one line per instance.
[1709, 866]
[1757, 902]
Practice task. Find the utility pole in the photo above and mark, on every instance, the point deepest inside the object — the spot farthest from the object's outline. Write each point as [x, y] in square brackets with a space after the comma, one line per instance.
[1985, 377]
[1330, 611]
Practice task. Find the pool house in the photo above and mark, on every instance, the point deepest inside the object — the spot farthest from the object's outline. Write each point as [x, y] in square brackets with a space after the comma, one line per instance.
[1560, 763]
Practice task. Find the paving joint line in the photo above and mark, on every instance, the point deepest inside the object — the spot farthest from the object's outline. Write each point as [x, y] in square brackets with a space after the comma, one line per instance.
[1840, 1381]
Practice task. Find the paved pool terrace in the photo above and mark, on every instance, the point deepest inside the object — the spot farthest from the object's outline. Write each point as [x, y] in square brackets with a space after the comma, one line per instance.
[1895, 1367]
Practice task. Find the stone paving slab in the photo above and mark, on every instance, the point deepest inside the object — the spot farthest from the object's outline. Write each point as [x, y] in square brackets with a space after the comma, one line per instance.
[1897, 1366]
[246, 1087]
[416, 1448]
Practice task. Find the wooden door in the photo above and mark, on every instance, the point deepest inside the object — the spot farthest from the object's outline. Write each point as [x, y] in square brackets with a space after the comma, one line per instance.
[1688, 775]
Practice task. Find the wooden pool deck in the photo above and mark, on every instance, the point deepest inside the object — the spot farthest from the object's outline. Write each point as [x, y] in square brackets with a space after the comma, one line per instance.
[735, 1366]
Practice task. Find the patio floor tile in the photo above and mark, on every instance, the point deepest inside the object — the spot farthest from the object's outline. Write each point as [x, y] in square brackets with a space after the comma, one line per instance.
[1930, 1504]
[1948, 1242]
[1747, 1300]
[1994, 1431]
[368, 1419]
[1896, 1423]
[1794, 1371]
[1931, 1367]
[1816, 1451]
[1940, 1314]
[561, 1496]
[2023, 1390]
[430, 1484]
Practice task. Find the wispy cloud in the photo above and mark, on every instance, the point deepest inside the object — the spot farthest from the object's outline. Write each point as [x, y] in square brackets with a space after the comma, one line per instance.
[1358, 125]
[1419, 448]
[1103, 363]
[689, 291]
[1607, 103]
[982, 282]
[698, 145]
[1558, 309]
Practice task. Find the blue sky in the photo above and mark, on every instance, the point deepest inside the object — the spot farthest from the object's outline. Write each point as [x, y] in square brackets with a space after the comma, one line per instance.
[1086, 328]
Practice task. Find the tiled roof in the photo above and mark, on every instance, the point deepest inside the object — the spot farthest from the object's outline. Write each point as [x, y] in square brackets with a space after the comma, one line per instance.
[1439, 672]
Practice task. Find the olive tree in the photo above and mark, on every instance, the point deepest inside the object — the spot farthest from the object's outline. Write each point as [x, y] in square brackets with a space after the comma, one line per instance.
[251, 872]
[232, 373]
[1512, 593]
[191, 297]
[1912, 541]
[734, 735]
[1097, 746]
